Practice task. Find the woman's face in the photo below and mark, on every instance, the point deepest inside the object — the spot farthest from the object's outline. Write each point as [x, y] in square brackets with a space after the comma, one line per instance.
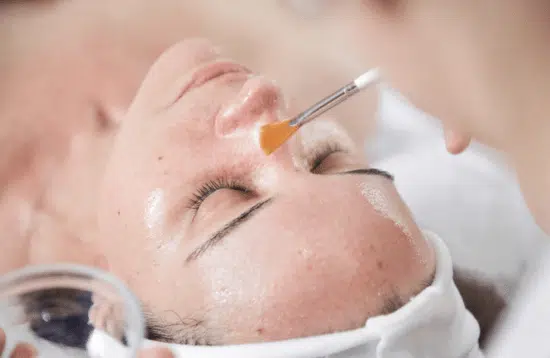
[206, 228]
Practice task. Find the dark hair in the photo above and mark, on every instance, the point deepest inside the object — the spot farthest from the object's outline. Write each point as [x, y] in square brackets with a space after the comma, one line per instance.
[482, 300]
[194, 331]
[180, 330]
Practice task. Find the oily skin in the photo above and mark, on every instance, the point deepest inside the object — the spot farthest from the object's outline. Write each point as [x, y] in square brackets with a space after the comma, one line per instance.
[282, 273]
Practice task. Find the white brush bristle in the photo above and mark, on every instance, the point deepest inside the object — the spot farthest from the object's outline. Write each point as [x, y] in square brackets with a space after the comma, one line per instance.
[367, 78]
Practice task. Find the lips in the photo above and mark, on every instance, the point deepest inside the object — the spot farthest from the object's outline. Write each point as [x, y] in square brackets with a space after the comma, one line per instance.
[210, 72]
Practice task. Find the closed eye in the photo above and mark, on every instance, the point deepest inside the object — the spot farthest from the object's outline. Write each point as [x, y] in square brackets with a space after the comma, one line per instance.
[316, 161]
[321, 153]
[211, 187]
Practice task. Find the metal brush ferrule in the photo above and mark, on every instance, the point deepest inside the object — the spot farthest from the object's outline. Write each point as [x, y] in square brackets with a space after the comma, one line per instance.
[325, 104]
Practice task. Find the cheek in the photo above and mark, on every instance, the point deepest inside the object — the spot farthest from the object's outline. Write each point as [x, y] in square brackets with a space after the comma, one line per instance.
[388, 206]
[290, 284]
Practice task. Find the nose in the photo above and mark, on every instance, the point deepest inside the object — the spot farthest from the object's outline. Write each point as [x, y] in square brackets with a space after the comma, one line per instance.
[260, 101]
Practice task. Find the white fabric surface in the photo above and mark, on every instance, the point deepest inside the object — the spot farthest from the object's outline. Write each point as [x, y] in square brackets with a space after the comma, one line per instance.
[524, 332]
[471, 200]
[434, 324]
[474, 202]
[102, 345]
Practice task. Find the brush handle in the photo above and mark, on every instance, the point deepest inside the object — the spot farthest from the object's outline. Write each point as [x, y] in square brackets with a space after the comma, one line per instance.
[325, 104]
[336, 98]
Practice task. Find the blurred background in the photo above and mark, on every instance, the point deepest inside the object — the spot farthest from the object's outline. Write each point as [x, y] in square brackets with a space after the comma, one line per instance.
[69, 69]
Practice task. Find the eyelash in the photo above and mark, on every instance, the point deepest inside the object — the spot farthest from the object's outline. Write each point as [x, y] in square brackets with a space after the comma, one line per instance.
[321, 153]
[211, 187]
[314, 160]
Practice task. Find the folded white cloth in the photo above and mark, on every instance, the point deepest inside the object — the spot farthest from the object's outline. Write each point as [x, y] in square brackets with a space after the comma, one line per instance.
[434, 324]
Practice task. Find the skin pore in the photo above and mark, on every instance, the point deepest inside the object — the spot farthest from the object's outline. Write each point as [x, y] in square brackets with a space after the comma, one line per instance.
[247, 247]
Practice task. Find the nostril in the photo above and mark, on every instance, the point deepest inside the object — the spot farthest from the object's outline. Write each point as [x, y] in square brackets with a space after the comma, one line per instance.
[228, 123]
[259, 101]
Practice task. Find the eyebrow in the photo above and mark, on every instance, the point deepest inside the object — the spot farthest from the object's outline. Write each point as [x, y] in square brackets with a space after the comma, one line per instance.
[234, 224]
[228, 228]
[368, 171]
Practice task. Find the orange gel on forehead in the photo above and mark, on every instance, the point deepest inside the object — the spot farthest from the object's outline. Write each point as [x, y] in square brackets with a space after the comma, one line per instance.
[273, 135]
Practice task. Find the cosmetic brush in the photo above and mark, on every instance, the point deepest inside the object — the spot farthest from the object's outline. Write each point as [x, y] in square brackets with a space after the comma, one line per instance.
[273, 135]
